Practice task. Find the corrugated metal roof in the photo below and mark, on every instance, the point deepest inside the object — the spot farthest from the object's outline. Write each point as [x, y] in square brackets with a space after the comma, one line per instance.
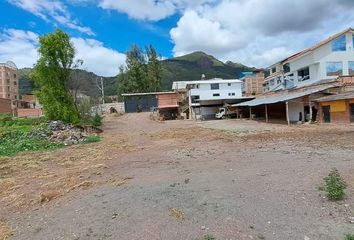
[144, 94]
[341, 96]
[282, 97]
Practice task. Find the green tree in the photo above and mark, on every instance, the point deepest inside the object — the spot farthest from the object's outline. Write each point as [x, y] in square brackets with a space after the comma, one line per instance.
[51, 74]
[154, 69]
[142, 72]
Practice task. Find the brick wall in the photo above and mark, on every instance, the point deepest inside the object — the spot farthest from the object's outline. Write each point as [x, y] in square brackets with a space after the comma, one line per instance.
[5, 106]
[29, 112]
[339, 112]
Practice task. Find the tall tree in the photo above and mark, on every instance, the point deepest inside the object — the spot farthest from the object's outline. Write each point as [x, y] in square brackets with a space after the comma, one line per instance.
[51, 74]
[141, 73]
[154, 69]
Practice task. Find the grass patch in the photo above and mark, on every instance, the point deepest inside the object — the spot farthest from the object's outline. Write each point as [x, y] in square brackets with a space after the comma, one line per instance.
[349, 237]
[334, 186]
[15, 136]
[14, 142]
[92, 139]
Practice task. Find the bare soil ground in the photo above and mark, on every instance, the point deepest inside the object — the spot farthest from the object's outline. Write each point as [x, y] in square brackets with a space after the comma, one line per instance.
[232, 179]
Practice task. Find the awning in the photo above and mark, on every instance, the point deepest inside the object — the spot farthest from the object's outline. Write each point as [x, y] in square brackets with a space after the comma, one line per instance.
[282, 97]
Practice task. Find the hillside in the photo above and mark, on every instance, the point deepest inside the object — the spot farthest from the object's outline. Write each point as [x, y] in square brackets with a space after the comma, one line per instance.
[184, 68]
[192, 66]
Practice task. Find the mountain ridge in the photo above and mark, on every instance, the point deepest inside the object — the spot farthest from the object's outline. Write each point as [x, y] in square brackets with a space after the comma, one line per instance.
[182, 68]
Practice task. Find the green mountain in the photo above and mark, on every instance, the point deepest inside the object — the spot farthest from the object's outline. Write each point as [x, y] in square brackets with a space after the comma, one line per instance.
[192, 66]
[184, 68]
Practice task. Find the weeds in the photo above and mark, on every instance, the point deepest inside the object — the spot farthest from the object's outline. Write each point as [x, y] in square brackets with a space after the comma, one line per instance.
[92, 139]
[349, 237]
[334, 186]
[14, 142]
[209, 237]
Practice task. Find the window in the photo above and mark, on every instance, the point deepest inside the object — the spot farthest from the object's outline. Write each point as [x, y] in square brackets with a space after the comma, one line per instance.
[334, 68]
[286, 68]
[15, 83]
[351, 68]
[339, 44]
[229, 84]
[303, 74]
[216, 95]
[233, 94]
[195, 98]
[271, 82]
[214, 86]
[274, 70]
[14, 75]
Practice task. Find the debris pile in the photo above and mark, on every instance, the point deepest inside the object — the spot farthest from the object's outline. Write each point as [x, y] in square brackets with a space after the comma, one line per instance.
[57, 131]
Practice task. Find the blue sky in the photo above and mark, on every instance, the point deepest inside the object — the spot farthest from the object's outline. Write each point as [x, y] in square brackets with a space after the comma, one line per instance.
[253, 32]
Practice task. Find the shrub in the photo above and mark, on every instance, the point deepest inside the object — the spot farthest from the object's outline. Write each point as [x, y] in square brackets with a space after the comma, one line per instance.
[209, 237]
[334, 186]
[97, 120]
[349, 237]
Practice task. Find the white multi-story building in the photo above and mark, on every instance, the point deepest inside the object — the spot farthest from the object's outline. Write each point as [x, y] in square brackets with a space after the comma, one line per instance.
[326, 60]
[206, 96]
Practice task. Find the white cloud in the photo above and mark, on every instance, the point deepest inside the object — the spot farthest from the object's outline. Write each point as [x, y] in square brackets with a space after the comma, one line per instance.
[51, 10]
[259, 32]
[97, 58]
[152, 10]
[21, 47]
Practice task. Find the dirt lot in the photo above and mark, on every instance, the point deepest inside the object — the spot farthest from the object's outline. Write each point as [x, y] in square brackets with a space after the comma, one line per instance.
[232, 179]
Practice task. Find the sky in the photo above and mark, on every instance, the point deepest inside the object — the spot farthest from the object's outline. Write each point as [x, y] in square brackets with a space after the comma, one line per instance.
[252, 32]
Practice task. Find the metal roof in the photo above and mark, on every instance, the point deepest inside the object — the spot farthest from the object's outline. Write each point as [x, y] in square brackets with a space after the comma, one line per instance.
[282, 97]
[144, 94]
[341, 96]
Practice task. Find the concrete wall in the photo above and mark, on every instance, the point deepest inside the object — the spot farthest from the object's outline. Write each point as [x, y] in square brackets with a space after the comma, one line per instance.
[206, 93]
[294, 109]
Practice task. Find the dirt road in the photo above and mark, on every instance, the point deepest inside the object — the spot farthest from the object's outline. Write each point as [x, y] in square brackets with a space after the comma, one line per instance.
[184, 180]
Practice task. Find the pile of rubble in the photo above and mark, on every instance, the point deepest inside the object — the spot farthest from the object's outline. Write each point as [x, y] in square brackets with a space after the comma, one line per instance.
[57, 131]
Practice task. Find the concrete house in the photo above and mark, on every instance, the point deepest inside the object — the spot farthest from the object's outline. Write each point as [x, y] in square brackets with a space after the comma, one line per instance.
[326, 60]
[206, 96]
[296, 82]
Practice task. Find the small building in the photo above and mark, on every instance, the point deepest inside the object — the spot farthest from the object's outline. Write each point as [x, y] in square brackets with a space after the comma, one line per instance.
[337, 108]
[205, 97]
[168, 105]
[252, 83]
[29, 106]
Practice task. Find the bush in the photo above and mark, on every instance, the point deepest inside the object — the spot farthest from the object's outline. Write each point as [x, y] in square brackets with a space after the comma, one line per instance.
[97, 120]
[334, 186]
[349, 237]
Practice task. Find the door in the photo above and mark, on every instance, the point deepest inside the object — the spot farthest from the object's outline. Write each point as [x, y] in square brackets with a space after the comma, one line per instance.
[326, 111]
[351, 109]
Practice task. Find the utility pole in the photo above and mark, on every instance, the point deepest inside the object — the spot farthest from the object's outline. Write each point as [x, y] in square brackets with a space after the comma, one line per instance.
[101, 88]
